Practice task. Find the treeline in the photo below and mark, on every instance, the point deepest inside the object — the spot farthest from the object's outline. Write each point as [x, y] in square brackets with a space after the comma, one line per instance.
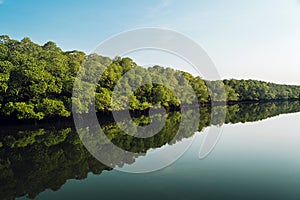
[37, 82]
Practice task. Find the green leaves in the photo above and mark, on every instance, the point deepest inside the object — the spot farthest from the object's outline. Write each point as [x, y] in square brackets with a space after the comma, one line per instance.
[253, 90]
[37, 82]
[52, 107]
[22, 110]
[103, 100]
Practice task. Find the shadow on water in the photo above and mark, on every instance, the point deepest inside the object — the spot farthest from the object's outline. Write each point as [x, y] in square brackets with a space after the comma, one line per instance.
[45, 156]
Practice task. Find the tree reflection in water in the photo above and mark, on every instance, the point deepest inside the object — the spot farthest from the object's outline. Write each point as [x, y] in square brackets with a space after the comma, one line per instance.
[33, 159]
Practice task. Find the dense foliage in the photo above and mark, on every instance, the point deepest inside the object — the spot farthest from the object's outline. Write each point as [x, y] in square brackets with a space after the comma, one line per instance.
[37, 82]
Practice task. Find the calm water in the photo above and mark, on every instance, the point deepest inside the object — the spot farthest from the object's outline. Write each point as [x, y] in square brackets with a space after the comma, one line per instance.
[256, 157]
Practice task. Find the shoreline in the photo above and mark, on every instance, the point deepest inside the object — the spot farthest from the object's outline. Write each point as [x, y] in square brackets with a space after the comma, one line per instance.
[133, 113]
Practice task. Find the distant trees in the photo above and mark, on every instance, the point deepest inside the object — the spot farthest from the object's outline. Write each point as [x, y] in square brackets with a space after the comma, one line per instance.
[262, 91]
[37, 82]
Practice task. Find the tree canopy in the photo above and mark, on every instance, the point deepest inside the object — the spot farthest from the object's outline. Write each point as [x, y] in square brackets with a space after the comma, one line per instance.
[36, 81]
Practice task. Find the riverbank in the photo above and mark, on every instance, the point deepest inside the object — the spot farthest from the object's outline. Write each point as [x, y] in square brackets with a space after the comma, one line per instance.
[10, 121]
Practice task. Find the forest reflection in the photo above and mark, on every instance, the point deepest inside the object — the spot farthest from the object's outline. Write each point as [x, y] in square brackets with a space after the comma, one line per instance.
[45, 156]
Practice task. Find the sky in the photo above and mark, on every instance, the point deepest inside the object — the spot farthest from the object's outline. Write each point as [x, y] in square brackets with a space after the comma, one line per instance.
[257, 39]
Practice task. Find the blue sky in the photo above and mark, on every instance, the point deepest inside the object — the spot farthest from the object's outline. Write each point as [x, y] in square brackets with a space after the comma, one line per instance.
[257, 39]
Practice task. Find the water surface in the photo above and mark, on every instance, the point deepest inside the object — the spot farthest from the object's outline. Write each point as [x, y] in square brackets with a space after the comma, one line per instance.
[256, 158]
